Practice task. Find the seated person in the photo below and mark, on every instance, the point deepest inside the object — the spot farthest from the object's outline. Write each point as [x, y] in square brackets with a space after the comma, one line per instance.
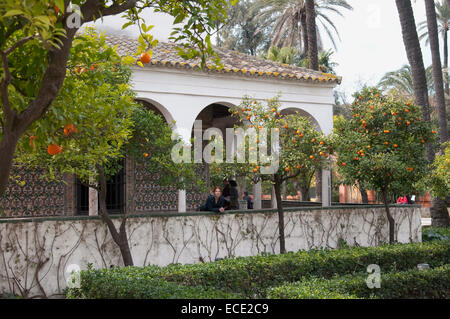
[216, 202]
[249, 200]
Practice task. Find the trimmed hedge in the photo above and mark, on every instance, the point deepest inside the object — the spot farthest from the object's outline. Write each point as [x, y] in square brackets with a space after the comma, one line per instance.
[435, 233]
[432, 283]
[251, 276]
[119, 283]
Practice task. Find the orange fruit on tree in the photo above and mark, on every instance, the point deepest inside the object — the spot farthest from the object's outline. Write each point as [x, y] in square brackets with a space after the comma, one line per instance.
[70, 128]
[321, 153]
[145, 154]
[54, 149]
[287, 169]
[285, 126]
[145, 58]
[387, 143]
[255, 170]
[266, 117]
[395, 145]
[56, 9]
[32, 137]
[248, 118]
[274, 110]
[321, 143]
[298, 166]
[311, 157]
[386, 131]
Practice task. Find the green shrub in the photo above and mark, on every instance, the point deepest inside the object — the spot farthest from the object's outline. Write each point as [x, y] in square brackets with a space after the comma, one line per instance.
[251, 276]
[130, 283]
[432, 283]
[435, 233]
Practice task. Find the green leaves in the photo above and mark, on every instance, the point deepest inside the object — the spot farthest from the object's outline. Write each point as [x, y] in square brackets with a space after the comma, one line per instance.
[382, 145]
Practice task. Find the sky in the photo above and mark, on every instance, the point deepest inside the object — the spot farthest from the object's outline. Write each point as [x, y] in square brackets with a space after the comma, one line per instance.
[371, 40]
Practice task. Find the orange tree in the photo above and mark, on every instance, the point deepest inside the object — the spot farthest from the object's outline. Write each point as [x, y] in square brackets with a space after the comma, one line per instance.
[87, 133]
[382, 145]
[36, 38]
[301, 149]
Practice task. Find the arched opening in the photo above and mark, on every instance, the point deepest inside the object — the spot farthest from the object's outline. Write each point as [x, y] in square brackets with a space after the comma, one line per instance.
[217, 116]
[303, 182]
[157, 108]
[303, 113]
[146, 193]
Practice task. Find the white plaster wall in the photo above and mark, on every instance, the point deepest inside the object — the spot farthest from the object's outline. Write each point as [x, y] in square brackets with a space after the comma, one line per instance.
[181, 95]
[35, 255]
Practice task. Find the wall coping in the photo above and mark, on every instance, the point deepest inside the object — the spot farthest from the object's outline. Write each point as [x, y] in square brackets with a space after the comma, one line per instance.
[195, 213]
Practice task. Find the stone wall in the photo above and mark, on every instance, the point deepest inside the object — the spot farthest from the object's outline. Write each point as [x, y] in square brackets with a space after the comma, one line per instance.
[35, 254]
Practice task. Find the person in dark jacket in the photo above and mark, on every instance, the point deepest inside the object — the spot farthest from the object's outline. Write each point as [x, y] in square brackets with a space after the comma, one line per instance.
[249, 200]
[234, 196]
[216, 202]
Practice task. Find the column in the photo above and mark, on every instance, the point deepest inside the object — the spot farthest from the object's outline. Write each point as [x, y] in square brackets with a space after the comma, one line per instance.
[326, 188]
[181, 201]
[93, 202]
[273, 198]
[257, 192]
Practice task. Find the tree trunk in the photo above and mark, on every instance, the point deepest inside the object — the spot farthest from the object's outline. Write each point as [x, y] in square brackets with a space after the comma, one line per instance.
[439, 213]
[304, 191]
[277, 187]
[447, 85]
[119, 237]
[7, 147]
[437, 69]
[304, 34]
[414, 54]
[389, 217]
[313, 54]
[364, 197]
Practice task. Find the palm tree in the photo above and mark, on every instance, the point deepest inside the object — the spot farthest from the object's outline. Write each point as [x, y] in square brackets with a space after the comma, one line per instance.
[437, 69]
[287, 21]
[402, 81]
[240, 31]
[438, 211]
[313, 53]
[414, 55]
[443, 16]
[286, 55]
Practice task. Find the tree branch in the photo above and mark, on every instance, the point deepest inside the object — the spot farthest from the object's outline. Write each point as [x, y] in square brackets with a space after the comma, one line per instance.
[19, 43]
[90, 9]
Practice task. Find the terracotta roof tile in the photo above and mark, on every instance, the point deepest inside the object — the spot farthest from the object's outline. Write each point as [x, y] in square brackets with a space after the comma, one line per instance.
[165, 54]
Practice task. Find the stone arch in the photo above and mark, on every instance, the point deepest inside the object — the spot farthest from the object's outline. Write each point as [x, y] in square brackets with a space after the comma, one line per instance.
[301, 112]
[158, 108]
